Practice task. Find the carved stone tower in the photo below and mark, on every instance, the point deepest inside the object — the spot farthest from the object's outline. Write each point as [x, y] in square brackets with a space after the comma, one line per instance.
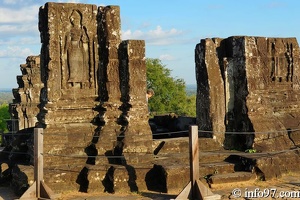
[25, 106]
[93, 103]
[69, 67]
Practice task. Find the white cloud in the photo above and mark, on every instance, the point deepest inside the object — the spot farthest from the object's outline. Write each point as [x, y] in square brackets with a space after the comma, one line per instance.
[30, 40]
[19, 25]
[18, 30]
[159, 33]
[166, 57]
[126, 35]
[15, 52]
[157, 36]
[25, 14]
[13, 2]
[69, 1]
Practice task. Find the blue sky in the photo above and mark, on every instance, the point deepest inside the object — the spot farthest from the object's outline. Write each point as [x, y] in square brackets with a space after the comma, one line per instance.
[170, 28]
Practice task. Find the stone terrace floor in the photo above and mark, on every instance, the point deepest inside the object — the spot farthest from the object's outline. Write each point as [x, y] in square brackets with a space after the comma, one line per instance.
[287, 183]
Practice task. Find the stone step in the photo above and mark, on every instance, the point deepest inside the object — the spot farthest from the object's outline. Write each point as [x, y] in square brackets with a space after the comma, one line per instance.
[231, 177]
[181, 144]
[204, 157]
[172, 159]
[215, 156]
[216, 168]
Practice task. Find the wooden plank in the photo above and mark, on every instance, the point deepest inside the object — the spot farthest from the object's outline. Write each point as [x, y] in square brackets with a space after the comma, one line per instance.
[205, 193]
[195, 188]
[194, 158]
[38, 159]
[47, 193]
[185, 193]
[39, 190]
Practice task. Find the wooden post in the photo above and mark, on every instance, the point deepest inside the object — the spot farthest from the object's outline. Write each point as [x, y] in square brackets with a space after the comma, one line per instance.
[194, 158]
[38, 190]
[38, 159]
[195, 189]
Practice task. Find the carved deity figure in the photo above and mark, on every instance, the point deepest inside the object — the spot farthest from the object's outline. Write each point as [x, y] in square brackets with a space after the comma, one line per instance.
[76, 49]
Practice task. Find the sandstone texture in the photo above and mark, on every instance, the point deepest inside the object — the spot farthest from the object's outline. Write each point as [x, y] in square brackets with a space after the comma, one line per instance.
[87, 91]
[249, 85]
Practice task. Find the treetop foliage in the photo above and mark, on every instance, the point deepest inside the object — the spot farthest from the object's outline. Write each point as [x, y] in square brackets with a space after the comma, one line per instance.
[170, 93]
[4, 115]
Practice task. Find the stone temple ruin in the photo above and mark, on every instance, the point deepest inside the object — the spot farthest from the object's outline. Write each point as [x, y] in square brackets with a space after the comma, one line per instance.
[87, 91]
[91, 95]
[251, 85]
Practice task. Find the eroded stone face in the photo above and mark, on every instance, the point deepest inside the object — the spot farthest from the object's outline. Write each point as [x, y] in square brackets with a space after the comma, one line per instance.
[86, 96]
[90, 95]
[69, 51]
[24, 109]
[249, 84]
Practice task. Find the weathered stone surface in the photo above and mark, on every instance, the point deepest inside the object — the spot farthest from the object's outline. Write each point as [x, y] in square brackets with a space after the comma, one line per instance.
[249, 84]
[109, 27]
[89, 94]
[24, 109]
[137, 132]
[92, 105]
[69, 65]
[210, 90]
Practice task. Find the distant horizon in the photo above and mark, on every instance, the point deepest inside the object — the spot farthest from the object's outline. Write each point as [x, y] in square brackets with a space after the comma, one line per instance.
[6, 89]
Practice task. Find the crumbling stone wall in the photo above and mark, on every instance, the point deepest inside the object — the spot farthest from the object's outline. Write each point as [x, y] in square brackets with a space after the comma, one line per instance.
[249, 84]
[87, 90]
[25, 107]
[109, 28]
[93, 102]
[69, 67]
[82, 104]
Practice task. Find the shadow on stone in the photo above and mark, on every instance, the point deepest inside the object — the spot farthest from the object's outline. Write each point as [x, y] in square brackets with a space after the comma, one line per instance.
[92, 152]
[158, 195]
[292, 135]
[82, 180]
[108, 181]
[132, 179]
[159, 147]
[5, 176]
[156, 179]
[19, 182]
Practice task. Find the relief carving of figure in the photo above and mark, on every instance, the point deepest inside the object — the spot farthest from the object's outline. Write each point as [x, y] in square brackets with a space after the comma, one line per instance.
[77, 51]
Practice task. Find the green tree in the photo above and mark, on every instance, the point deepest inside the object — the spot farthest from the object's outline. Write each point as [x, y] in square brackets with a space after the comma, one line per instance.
[170, 93]
[4, 115]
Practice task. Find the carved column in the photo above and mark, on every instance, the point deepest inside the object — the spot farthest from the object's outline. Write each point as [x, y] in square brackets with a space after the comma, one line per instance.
[109, 28]
[69, 67]
[137, 142]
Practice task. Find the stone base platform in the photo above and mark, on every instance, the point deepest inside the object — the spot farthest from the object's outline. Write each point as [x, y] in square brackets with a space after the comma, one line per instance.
[169, 171]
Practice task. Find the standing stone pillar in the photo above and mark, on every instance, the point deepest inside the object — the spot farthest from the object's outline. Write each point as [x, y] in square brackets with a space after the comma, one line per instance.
[109, 82]
[137, 142]
[69, 67]
[210, 91]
